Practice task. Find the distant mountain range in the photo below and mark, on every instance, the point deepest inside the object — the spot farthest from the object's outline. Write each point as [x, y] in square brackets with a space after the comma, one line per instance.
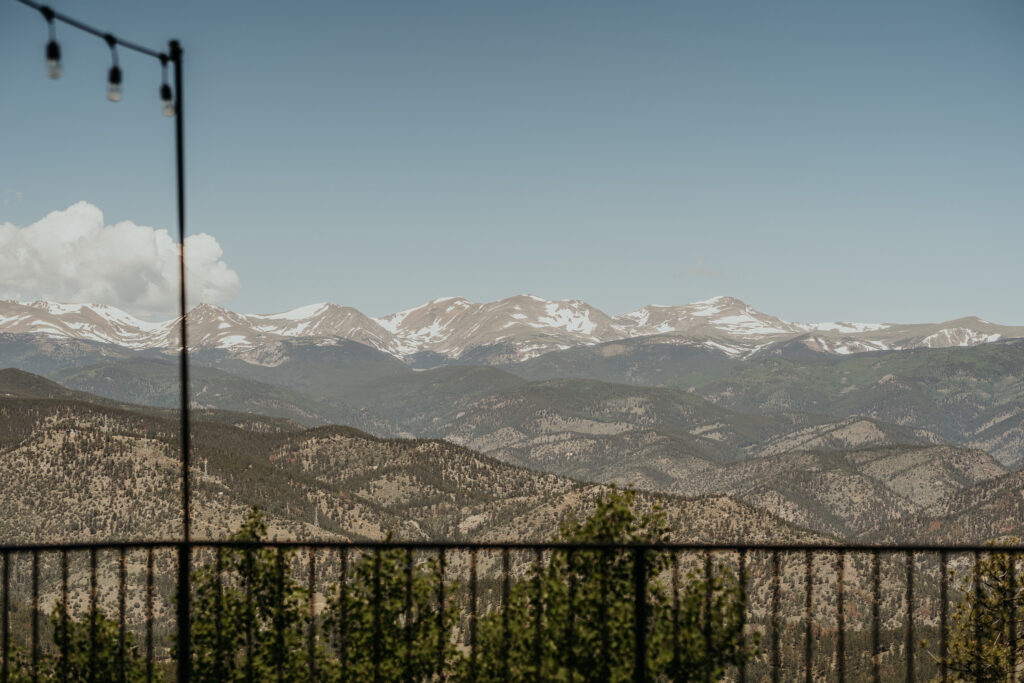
[512, 330]
[847, 479]
[713, 398]
[75, 467]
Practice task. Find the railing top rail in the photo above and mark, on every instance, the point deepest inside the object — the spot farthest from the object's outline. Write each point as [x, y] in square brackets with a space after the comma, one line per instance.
[521, 545]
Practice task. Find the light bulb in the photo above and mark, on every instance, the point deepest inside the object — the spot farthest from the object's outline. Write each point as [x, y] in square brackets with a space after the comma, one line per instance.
[53, 59]
[168, 101]
[114, 84]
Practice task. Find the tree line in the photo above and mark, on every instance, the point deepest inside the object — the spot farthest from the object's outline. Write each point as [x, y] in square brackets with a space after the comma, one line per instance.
[569, 619]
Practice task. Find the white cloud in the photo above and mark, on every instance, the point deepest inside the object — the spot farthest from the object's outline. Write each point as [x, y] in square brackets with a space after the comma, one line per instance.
[72, 256]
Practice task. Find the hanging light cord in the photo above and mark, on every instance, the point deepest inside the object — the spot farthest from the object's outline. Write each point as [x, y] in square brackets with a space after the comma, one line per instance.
[112, 42]
[165, 87]
[50, 15]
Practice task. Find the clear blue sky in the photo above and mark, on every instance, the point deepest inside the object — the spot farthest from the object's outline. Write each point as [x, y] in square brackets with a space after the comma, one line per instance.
[820, 160]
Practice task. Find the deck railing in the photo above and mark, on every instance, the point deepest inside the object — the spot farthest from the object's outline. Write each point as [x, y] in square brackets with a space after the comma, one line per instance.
[807, 612]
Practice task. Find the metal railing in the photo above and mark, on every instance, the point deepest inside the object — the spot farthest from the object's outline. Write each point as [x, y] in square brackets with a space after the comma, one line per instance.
[507, 611]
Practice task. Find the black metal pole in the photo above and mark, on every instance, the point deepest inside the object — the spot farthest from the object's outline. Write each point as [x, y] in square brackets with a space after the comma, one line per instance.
[185, 549]
[640, 616]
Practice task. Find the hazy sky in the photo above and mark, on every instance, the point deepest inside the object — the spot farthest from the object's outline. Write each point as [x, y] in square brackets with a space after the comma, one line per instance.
[820, 160]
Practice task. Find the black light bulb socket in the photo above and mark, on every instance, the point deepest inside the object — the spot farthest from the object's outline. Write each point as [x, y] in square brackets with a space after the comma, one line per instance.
[114, 78]
[165, 93]
[52, 51]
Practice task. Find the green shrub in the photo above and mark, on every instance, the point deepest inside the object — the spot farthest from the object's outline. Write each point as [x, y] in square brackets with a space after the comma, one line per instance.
[577, 613]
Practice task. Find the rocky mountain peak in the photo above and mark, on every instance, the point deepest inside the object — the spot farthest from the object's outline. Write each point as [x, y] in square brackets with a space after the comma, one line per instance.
[516, 328]
[721, 315]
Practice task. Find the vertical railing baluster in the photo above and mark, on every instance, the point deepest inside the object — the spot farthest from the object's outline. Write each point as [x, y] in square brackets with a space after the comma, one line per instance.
[876, 599]
[909, 645]
[35, 615]
[122, 611]
[223, 667]
[408, 614]
[639, 615]
[538, 615]
[441, 634]
[943, 614]
[841, 616]
[376, 614]
[279, 620]
[505, 628]
[343, 616]
[808, 615]
[250, 615]
[605, 639]
[5, 622]
[93, 608]
[311, 592]
[978, 602]
[676, 645]
[742, 666]
[1013, 616]
[472, 614]
[706, 617]
[65, 639]
[149, 614]
[776, 664]
[570, 621]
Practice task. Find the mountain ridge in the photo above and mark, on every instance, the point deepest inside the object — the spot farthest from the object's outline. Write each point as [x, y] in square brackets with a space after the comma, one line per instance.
[510, 330]
[870, 490]
[76, 470]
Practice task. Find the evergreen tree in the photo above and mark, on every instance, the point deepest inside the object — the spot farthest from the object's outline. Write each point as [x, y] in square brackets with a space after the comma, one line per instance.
[388, 613]
[89, 649]
[576, 616]
[989, 621]
[250, 618]
[573, 616]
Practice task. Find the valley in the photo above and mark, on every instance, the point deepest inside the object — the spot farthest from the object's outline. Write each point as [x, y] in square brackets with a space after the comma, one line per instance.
[874, 444]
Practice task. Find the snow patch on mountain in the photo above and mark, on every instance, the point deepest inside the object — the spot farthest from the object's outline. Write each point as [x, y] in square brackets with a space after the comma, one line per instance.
[958, 336]
[842, 327]
[571, 318]
[709, 307]
[300, 313]
[519, 327]
[843, 346]
[720, 314]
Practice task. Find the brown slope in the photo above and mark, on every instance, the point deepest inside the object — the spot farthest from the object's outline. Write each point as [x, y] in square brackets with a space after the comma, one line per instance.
[861, 493]
[991, 510]
[82, 471]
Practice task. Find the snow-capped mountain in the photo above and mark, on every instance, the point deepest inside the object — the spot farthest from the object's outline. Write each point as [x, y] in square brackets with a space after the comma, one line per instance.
[215, 327]
[522, 327]
[723, 314]
[209, 326]
[93, 322]
[452, 326]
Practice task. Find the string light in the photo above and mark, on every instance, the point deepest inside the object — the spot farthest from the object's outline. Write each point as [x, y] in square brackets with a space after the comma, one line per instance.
[114, 76]
[53, 67]
[166, 96]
